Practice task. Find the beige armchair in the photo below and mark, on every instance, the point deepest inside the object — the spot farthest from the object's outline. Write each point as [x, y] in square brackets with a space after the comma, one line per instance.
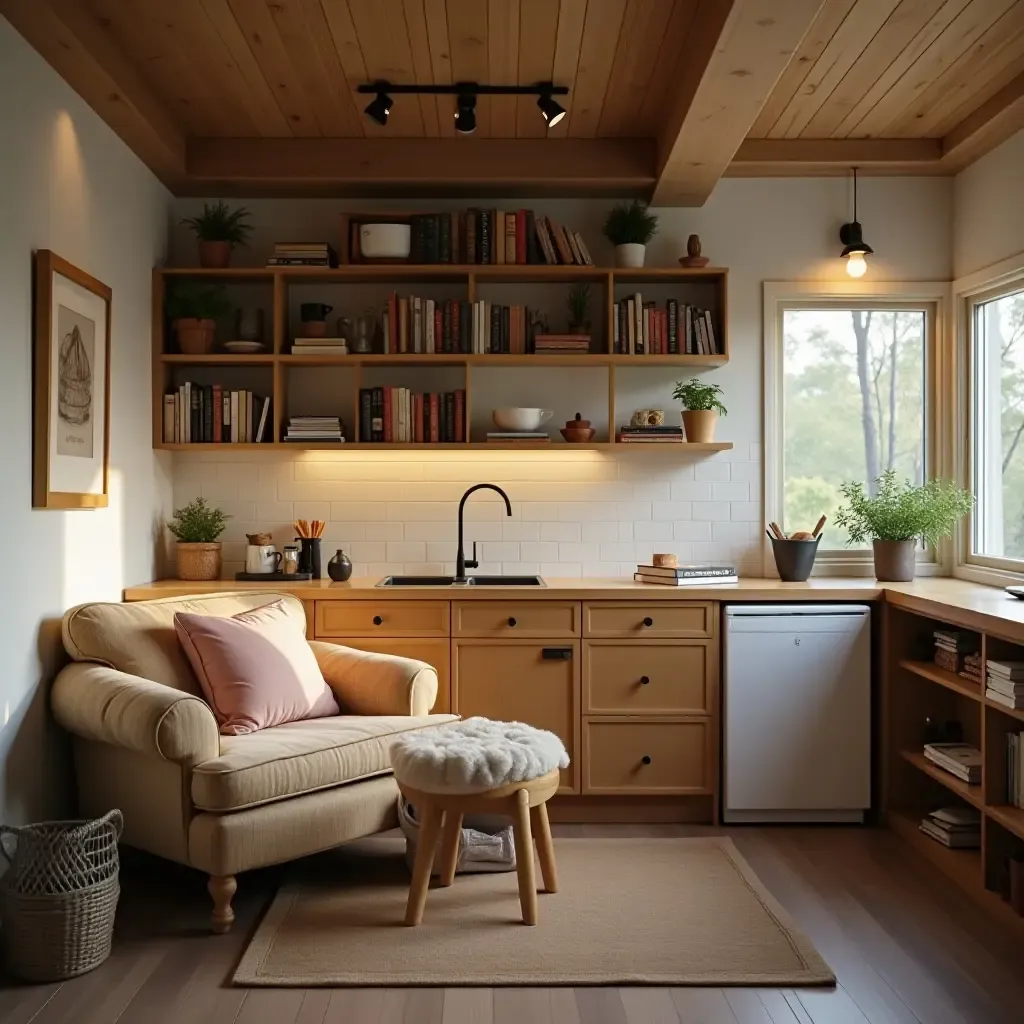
[145, 741]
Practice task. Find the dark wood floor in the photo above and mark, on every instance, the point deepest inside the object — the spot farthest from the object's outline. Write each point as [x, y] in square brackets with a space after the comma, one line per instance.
[906, 946]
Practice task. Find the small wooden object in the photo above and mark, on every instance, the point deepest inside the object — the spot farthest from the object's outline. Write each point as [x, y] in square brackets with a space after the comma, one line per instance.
[801, 535]
[693, 257]
[777, 530]
[818, 526]
[666, 561]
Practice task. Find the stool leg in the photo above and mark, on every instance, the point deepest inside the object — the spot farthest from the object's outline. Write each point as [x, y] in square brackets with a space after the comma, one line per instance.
[431, 825]
[524, 857]
[545, 848]
[450, 846]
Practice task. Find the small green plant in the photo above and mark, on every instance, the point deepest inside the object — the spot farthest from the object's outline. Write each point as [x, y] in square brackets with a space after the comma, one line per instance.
[198, 523]
[219, 223]
[901, 511]
[630, 223]
[579, 305]
[188, 299]
[699, 397]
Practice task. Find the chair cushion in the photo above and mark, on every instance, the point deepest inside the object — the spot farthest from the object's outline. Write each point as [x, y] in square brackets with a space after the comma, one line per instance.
[256, 668]
[300, 757]
[139, 638]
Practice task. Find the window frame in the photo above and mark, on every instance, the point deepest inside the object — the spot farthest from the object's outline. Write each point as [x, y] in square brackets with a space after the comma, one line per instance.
[991, 283]
[934, 298]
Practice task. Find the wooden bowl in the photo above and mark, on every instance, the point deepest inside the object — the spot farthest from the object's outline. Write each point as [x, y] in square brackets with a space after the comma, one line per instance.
[694, 261]
[577, 435]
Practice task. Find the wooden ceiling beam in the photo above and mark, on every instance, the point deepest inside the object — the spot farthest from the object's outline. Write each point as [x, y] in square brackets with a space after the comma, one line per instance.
[737, 50]
[808, 157]
[558, 166]
[80, 48]
[993, 122]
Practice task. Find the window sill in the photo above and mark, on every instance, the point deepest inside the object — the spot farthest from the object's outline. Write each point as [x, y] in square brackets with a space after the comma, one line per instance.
[988, 576]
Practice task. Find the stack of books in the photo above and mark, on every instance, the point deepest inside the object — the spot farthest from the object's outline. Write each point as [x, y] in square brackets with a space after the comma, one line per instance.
[651, 435]
[1015, 769]
[686, 575]
[416, 324]
[972, 667]
[579, 343]
[530, 436]
[319, 347]
[958, 828]
[207, 414]
[400, 416]
[640, 328]
[1005, 683]
[951, 646]
[315, 428]
[303, 254]
[959, 759]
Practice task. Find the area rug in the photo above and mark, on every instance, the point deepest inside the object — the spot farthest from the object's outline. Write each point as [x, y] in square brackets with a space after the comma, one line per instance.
[628, 912]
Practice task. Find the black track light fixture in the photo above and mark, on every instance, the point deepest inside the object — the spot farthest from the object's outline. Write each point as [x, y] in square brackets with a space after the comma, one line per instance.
[379, 107]
[852, 237]
[551, 110]
[465, 113]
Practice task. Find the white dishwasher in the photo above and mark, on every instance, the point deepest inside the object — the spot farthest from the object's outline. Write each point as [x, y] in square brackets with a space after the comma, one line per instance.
[797, 704]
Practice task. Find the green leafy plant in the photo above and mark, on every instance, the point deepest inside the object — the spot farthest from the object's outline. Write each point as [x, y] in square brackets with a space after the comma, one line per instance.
[630, 223]
[901, 511]
[188, 299]
[219, 223]
[198, 523]
[579, 305]
[699, 397]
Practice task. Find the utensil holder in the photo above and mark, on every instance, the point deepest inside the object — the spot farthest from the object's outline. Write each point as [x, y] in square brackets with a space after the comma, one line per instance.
[309, 556]
[795, 558]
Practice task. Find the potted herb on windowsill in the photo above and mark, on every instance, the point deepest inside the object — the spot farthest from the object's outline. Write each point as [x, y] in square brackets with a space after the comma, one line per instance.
[629, 227]
[219, 230]
[897, 516]
[193, 310]
[197, 527]
[701, 408]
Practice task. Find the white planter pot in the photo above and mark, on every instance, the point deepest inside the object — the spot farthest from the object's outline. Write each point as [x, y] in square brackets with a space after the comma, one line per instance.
[630, 255]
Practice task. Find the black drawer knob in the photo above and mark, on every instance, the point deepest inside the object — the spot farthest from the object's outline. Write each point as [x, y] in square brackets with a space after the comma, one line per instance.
[511, 620]
[377, 620]
[646, 759]
[648, 621]
[644, 680]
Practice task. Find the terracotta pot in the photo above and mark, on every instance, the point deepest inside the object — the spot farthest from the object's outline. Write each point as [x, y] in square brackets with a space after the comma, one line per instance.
[195, 337]
[895, 560]
[699, 425]
[630, 254]
[198, 561]
[214, 255]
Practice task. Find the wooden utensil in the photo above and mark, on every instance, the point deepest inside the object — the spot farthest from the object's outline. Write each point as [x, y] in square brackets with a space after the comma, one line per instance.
[817, 529]
[777, 530]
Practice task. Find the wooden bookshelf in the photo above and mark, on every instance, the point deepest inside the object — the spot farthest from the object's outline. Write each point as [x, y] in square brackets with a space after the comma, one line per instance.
[970, 794]
[272, 368]
[930, 671]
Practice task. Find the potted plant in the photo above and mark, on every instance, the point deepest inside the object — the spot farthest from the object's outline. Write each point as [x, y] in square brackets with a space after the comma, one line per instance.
[197, 527]
[701, 409]
[193, 310]
[219, 229]
[579, 309]
[629, 227]
[897, 515]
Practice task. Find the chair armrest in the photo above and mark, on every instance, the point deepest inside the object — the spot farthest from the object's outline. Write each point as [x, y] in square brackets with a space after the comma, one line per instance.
[100, 703]
[365, 683]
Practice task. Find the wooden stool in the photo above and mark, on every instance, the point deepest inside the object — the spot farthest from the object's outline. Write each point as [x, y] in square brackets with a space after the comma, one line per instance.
[524, 802]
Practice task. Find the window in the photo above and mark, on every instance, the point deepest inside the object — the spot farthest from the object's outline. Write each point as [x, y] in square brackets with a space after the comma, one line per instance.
[996, 332]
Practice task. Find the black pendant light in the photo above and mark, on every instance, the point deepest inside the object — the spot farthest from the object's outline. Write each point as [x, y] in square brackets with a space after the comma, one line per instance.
[852, 237]
[377, 109]
[465, 113]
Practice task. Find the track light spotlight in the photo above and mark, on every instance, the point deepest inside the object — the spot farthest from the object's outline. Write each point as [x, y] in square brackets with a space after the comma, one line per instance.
[465, 113]
[551, 109]
[377, 109]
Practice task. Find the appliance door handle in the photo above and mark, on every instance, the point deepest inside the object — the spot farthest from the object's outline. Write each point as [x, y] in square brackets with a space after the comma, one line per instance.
[556, 653]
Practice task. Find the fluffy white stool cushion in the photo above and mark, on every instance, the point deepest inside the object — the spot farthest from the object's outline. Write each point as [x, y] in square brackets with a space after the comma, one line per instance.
[475, 755]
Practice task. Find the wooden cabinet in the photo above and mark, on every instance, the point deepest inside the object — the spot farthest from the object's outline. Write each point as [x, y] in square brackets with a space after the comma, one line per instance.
[434, 652]
[382, 617]
[649, 619]
[646, 677]
[526, 681]
[516, 618]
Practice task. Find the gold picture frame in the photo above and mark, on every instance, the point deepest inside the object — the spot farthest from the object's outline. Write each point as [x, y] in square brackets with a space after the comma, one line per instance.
[71, 399]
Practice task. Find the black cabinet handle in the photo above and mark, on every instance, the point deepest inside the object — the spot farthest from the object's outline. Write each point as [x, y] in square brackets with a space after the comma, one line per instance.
[556, 653]
[648, 621]
[377, 620]
[511, 620]
[644, 680]
[646, 759]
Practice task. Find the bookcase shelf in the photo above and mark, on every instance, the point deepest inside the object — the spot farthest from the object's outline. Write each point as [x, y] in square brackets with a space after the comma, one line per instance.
[930, 671]
[970, 794]
[280, 362]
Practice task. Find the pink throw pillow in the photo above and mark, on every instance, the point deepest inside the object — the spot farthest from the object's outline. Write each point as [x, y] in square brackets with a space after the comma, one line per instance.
[256, 668]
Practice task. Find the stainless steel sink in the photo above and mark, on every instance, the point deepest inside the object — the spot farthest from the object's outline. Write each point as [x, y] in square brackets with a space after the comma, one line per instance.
[473, 581]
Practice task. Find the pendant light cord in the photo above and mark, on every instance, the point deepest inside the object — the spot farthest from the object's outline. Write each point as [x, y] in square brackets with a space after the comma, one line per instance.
[855, 194]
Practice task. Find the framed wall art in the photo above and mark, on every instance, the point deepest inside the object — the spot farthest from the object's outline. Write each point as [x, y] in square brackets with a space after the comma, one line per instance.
[71, 417]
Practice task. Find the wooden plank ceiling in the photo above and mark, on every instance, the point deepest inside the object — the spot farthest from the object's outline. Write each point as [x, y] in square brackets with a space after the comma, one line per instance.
[665, 95]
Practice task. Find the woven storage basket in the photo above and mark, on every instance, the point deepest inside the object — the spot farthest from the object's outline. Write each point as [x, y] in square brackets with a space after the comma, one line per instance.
[59, 895]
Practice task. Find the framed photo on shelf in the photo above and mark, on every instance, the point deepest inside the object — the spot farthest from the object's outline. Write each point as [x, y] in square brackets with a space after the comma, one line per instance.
[71, 369]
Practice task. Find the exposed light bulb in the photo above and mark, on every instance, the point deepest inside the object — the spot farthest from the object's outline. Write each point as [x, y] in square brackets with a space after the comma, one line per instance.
[856, 265]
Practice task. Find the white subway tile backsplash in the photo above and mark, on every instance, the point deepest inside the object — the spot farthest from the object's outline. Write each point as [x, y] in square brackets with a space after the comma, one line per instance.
[540, 551]
[653, 531]
[406, 551]
[671, 510]
[730, 490]
[710, 510]
[579, 552]
[513, 529]
[711, 471]
[561, 531]
[384, 530]
[500, 551]
[691, 490]
[600, 532]
[690, 530]
[747, 511]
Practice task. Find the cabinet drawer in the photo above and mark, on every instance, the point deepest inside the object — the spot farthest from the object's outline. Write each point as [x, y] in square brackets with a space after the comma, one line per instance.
[646, 757]
[646, 677]
[434, 652]
[642, 619]
[381, 618]
[512, 618]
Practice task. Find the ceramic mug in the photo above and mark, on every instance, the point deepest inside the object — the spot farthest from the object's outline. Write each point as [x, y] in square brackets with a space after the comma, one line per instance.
[262, 558]
[314, 311]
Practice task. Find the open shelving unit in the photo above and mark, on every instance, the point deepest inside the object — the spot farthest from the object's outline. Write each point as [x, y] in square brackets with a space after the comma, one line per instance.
[913, 689]
[276, 368]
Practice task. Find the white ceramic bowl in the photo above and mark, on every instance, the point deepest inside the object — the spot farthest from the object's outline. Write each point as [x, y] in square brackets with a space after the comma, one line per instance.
[516, 418]
[385, 241]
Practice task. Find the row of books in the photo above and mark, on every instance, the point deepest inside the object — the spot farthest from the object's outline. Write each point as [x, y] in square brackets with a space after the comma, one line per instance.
[314, 428]
[399, 415]
[957, 828]
[692, 575]
[1004, 683]
[953, 647]
[206, 413]
[961, 760]
[303, 254]
[651, 435]
[641, 328]
[415, 324]
[1015, 769]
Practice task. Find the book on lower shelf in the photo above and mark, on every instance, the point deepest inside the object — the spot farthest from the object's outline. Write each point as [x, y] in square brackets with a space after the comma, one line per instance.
[315, 428]
[641, 328]
[396, 415]
[303, 254]
[689, 575]
[209, 414]
[650, 435]
[1015, 769]
[958, 828]
[961, 760]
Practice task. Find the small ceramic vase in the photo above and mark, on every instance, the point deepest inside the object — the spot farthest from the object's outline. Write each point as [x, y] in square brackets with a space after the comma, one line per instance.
[339, 568]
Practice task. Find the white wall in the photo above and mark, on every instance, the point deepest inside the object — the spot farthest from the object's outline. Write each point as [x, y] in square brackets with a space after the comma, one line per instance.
[576, 513]
[988, 209]
[67, 183]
